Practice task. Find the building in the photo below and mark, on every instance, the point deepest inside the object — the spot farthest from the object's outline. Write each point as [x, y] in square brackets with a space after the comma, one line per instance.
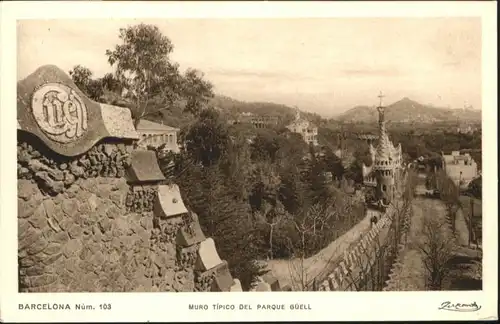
[257, 120]
[368, 138]
[460, 167]
[306, 129]
[155, 134]
[466, 129]
[385, 173]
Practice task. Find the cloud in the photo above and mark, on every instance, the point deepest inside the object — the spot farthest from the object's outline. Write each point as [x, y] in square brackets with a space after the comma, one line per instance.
[371, 72]
[246, 73]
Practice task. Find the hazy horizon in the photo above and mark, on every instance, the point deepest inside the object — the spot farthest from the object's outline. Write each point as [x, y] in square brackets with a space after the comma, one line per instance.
[321, 65]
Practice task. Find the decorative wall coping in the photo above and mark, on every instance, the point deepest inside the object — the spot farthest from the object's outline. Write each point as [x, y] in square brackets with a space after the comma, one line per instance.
[273, 282]
[191, 233]
[207, 256]
[144, 167]
[168, 202]
[51, 107]
[236, 287]
[222, 281]
[118, 122]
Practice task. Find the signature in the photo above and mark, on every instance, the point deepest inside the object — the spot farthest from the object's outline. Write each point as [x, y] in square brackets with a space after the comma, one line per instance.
[459, 307]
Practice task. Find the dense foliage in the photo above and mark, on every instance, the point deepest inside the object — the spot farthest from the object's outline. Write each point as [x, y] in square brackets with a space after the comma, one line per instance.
[260, 199]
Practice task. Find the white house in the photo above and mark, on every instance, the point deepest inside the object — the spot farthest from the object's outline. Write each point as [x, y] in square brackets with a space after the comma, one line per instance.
[155, 134]
[306, 129]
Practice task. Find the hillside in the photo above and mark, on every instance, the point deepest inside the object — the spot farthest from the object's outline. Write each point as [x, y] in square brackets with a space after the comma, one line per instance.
[232, 108]
[228, 107]
[407, 110]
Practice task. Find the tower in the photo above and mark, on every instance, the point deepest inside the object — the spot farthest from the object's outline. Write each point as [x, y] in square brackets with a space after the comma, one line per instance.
[297, 114]
[384, 162]
[384, 172]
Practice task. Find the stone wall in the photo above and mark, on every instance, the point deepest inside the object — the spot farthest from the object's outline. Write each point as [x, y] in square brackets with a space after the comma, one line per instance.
[363, 267]
[393, 283]
[97, 215]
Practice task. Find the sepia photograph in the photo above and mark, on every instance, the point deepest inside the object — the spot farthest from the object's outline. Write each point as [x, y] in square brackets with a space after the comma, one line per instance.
[225, 154]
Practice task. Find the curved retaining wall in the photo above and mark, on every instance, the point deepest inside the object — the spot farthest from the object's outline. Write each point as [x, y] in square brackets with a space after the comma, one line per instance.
[95, 214]
[395, 275]
[358, 268]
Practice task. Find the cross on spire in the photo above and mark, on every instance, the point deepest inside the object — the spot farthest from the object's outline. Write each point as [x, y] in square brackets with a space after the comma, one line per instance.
[380, 96]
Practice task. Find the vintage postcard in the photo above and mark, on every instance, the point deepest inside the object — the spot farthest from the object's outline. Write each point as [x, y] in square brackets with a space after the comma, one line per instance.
[248, 161]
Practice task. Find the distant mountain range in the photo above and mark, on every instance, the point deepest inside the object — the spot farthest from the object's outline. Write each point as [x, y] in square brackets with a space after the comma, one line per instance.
[402, 111]
[408, 111]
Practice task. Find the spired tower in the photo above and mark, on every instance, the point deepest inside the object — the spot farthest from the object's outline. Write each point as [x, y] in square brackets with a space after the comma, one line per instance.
[385, 172]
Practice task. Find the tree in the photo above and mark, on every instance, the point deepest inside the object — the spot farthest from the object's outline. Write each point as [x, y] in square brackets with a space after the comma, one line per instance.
[312, 226]
[475, 188]
[207, 141]
[221, 216]
[143, 66]
[153, 82]
[197, 91]
[272, 216]
[316, 182]
[237, 168]
[292, 191]
[333, 164]
[82, 77]
[265, 187]
[437, 246]
[450, 195]
[110, 83]
[265, 146]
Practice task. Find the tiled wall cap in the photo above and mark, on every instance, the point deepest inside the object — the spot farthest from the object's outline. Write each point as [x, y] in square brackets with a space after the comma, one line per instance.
[272, 281]
[144, 167]
[190, 234]
[223, 281]
[168, 202]
[236, 286]
[207, 256]
[118, 122]
[263, 286]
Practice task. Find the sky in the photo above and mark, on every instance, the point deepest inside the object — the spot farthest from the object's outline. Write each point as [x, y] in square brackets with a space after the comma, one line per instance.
[322, 65]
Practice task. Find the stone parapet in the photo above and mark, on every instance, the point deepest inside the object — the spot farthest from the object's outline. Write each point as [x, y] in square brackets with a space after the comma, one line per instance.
[393, 283]
[357, 260]
[94, 214]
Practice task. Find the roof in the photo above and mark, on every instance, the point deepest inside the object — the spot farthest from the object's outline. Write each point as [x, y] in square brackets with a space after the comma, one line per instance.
[301, 122]
[146, 125]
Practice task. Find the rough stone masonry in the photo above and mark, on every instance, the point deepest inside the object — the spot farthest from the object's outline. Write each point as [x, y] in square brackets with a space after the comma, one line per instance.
[95, 214]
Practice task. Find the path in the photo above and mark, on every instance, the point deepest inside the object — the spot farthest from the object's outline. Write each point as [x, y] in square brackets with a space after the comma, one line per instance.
[323, 262]
[412, 274]
[461, 230]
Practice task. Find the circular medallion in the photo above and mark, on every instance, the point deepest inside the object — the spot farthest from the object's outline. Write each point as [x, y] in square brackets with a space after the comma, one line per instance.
[60, 112]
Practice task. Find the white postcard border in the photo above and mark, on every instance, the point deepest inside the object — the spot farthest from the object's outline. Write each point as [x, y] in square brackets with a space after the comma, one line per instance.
[353, 306]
